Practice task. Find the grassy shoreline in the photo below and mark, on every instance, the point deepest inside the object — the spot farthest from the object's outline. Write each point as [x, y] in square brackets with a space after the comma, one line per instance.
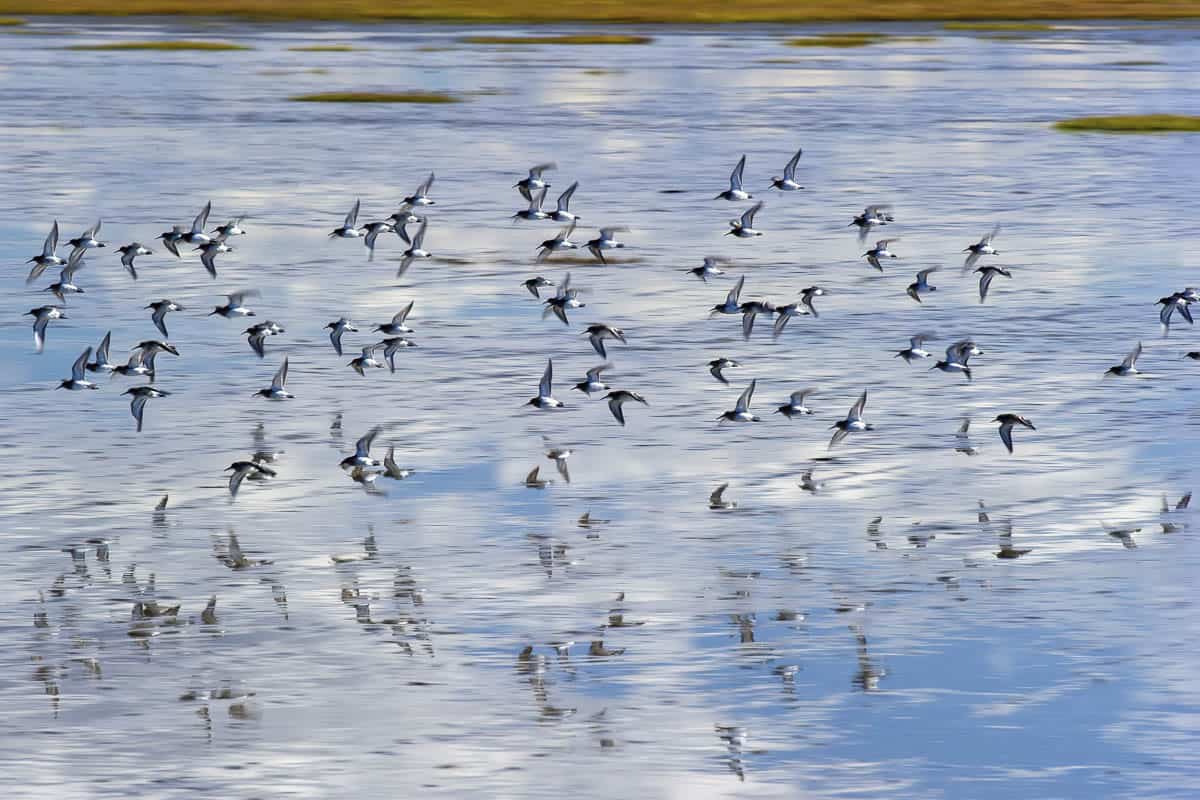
[620, 11]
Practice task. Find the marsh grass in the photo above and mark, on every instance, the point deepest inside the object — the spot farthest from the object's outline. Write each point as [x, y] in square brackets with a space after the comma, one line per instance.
[858, 39]
[604, 38]
[375, 97]
[10, 22]
[1133, 123]
[1000, 25]
[325, 48]
[173, 45]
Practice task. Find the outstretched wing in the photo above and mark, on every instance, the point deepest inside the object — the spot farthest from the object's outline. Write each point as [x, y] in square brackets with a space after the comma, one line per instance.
[544, 386]
[743, 401]
[280, 379]
[362, 448]
[77, 369]
[856, 411]
[735, 177]
[748, 217]
[352, 217]
[201, 219]
[1132, 358]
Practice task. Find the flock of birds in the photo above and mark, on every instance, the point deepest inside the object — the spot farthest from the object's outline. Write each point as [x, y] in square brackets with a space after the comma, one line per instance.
[142, 361]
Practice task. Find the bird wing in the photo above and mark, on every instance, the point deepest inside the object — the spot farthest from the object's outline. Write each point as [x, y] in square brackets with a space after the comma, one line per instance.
[735, 177]
[544, 386]
[201, 219]
[1006, 435]
[748, 217]
[362, 448]
[615, 401]
[564, 199]
[51, 243]
[789, 171]
[744, 400]
[399, 318]
[80, 365]
[735, 292]
[856, 411]
[1132, 358]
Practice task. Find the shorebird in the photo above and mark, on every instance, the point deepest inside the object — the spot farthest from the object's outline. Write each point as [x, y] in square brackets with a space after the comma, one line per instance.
[981, 248]
[391, 469]
[534, 212]
[741, 411]
[160, 308]
[532, 285]
[1176, 302]
[915, 349]
[717, 501]
[1127, 366]
[530, 185]
[618, 399]
[246, 469]
[230, 229]
[788, 182]
[795, 404]
[362, 452]
[708, 269]
[921, 285]
[47, 258]
[88, 239]
[853, 422]
[532, 481]
[1007, 421]
[367, 360]
[559, 456]
[735, 192]
[545, 396]
[563, 300]
[415, 251]
[871, 217]
[716, 366]
[744, 228]
[561, 212]
[150, 349]
[592, 382]
[196, 235]
[141, 396]
[880, 250]
[41, 318]
[172, 238]
[78, 381]
[560, 242]
[371, 234]
[786, 312]
[133, 367]
[256, 335]
[336, 329]
[397, 326]
[732, 304]
[750, 311]
[209, 252]
[421, 196]
[957, 356]
[101, 364]
[807, 295]
[985, 279]
[234, 305]
[391, 347]
[66, 277]
[131, 251]
[598, 332]
[349, 228]
[605, 241]
[278, 388]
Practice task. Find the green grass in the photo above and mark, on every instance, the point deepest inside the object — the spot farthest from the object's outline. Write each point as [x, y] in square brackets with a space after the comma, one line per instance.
[1133, 123]
[324, 48]
[177, 44]
[607, 38]
[375, 97]
[838, 40]
[998, 26]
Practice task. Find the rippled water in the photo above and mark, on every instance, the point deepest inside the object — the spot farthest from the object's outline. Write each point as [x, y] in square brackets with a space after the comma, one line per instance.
[787, 647]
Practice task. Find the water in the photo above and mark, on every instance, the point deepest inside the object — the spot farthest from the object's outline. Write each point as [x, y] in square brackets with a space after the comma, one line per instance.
[784, 648]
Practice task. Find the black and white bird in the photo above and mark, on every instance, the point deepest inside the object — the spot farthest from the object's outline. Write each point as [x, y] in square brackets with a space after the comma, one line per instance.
[160, 310]
[957, 356]
[592, 382]
[743, 228]
[421, 196]
[562, 241]
[47, 257]
[196, 236]
[981, 248]
[235, 305]
[795, 407]
[741, 410]
[397, 326]
[349, 228]
[78, 379]
[1128, 365]
[88, 239]
[598, 332]
[879, 251]
[416, 250]
[531, 185]
[788, 182]
[131, 251]
[735, 192]
[246, 469]
[41, 318]
[708, 269]
[618, 399]
[607, 240]
[1007, 422]
[278, 388]
[545, 396]
[853, 423]
[921, 285]
[562, 211]
[336, 329]
[717, 366]
[985, 279]
[915, 349]
[362, 452]
[141, 396]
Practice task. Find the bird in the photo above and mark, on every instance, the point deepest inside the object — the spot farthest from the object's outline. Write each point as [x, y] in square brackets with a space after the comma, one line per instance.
[786, 312]
[562, 241]
[807, 295]
[349, 228]
[708, 269]
[732, 304]
[336, 329]
[401, 219]
[1007, 421]
[592, 382]
[256, 336]
[717, 501]
[46, 258]
[605, 241]
[78, 381]
[735, 192]
[880, 250]
[853, 422]
[618, 399]
[235, 305]
[415, 251]
[367, 360]
[160, 308]
[561, 212]
[534, 212]
[150, 349]
[196, 235]
[278, 388]
[230, 229]
[1194, 355]
[716, 366]
[172, 238]
[598, 332]
[741, 410]
[921, 286]
[981, 248]
[744, 228]
[208, 254]
[392, 346]
[421, 196]
[788, 182]
[101, 364]
[870, 217]
[131, 251]
[41, 318]
[362, 452]
[390, 468]
[957, 356]
[134, 367]
[1127, 366]
[564, 299]
[545, 396]
[66, 277]
[372, 231]
[532, 481]
[559, 456]
[1176, 302]
[915, 350]
[795, 404]
[528, 186]
[750, 311]
[141, 396]
[397, 326]
[88, 239]
[985, 279]
[242, 470]
[532, 285]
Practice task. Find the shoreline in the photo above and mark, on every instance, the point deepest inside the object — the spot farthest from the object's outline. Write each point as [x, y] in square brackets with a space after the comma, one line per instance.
[613, 12]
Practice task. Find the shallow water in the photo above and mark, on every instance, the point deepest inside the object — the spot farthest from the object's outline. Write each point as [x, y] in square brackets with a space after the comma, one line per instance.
[787, 647]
